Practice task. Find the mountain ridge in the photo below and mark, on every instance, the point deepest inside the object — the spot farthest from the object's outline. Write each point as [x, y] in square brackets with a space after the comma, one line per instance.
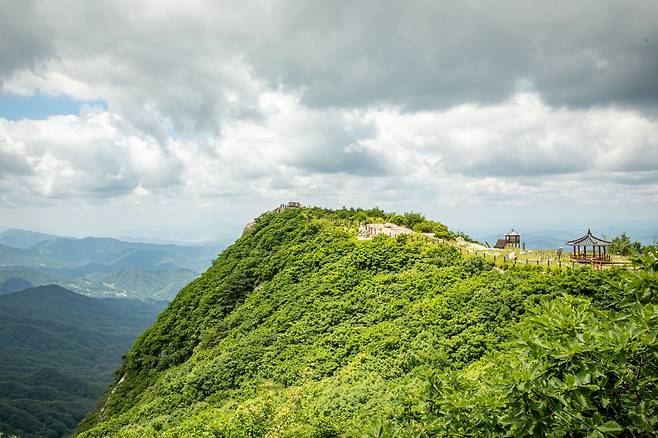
[300, 328]
[22, 239]
[100, 266]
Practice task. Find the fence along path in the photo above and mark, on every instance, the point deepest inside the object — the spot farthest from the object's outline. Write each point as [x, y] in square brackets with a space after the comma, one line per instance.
[556, 262]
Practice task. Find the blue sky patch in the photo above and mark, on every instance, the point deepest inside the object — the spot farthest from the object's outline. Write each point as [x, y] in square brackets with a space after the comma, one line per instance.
[40, 106]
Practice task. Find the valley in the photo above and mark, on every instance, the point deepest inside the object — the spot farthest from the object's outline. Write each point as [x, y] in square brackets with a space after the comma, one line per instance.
[69, 310]
[59, 350]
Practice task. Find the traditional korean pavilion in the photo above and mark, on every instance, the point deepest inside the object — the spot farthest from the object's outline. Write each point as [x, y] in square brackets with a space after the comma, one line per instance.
[597, 253]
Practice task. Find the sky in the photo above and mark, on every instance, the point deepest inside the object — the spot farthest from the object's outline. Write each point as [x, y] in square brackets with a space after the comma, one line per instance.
[185, 120]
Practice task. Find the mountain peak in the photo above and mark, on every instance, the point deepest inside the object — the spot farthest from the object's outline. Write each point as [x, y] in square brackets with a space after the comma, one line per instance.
[47, 293]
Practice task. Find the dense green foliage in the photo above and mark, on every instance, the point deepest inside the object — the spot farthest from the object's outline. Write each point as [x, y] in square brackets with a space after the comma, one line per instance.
[576, 366]
[299, 329]
[58, 352]
[414, 221]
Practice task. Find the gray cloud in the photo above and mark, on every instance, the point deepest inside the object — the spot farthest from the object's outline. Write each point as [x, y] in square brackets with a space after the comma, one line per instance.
[351, 162]
[438, 54]
[12, 163]
[330, 144]
[190, 67]
[24, 36]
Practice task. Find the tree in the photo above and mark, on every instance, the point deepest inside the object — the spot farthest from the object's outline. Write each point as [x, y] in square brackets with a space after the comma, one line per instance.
[623, 245]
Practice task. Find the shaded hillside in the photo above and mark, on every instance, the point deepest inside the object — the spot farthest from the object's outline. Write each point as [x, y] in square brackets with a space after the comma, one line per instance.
[13, 284]
[300, 329]
[58, 352]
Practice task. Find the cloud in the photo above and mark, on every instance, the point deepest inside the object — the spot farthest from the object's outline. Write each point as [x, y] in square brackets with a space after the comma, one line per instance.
[92, 155]
[164, 67]
[311, 141]
[24, 42]
[192, 66]
[429, 55]
[523, 137]
[514, 151]
[401, 104]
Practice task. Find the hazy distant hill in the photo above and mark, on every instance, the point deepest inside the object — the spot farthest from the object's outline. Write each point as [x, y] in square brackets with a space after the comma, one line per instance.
[99, 266]
[23, 239]
[68, 252]
[24, 257]
[58, 350]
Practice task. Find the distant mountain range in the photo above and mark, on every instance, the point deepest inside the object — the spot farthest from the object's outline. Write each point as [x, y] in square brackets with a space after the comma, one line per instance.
[58, 351]
[23, 239]
[100, 266]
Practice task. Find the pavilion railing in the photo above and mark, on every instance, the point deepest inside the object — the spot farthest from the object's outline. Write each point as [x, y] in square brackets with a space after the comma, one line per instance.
[587, 258]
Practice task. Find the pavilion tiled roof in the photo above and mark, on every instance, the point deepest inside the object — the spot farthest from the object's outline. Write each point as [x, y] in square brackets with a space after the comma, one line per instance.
[588, 240]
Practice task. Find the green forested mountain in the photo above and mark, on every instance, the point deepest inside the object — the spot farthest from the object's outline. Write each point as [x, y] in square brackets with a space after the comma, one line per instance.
[300, 329]
[58, 350]
[123, 283]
